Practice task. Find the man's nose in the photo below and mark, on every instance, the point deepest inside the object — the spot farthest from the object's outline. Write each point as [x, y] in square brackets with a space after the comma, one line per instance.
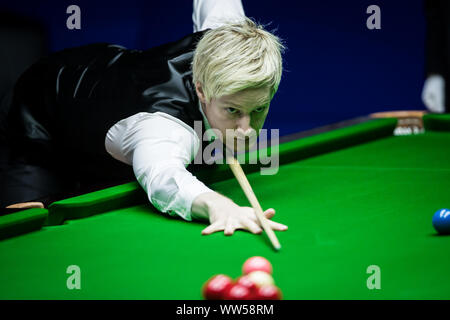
[244, 124]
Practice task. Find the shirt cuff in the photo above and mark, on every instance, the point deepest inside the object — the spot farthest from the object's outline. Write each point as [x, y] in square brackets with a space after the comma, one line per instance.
[179, 191]
[187, 196]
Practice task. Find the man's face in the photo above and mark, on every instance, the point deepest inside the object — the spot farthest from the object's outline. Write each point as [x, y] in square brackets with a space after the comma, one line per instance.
[243, 112]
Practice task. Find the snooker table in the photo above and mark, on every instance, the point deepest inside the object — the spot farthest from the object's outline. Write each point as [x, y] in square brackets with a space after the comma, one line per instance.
[353, 197]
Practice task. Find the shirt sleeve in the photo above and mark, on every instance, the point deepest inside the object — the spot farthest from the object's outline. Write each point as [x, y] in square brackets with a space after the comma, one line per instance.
[211, 14]
[159, 147]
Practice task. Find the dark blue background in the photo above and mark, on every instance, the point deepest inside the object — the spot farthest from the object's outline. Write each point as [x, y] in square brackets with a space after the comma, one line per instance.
[335, 68]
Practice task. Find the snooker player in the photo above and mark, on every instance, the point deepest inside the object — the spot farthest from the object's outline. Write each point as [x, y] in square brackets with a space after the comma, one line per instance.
[141, 106]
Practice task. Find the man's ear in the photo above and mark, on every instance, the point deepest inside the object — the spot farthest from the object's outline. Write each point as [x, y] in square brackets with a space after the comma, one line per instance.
[200, 93]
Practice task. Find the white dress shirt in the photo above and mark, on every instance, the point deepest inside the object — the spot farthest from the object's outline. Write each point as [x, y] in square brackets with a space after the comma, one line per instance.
[160, 146]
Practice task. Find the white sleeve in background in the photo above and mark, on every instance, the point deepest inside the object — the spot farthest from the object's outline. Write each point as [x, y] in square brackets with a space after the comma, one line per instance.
[433, 93]
[211, 14]
[159, 147]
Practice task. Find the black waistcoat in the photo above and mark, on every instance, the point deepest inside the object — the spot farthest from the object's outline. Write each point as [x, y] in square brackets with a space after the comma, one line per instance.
[66, 102]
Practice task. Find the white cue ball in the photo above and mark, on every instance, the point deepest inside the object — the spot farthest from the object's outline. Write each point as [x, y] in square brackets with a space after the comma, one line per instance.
[261, 278]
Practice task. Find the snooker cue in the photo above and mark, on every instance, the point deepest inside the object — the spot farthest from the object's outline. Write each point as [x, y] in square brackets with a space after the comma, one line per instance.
[245, 185]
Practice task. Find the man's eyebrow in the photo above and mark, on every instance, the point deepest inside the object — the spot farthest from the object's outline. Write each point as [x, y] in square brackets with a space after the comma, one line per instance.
[264, 104]
[228, 103]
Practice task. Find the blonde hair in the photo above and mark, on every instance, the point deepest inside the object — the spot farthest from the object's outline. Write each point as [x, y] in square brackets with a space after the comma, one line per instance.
[237, 56]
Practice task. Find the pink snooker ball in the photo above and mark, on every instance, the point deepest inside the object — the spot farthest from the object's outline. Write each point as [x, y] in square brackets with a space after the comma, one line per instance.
[257, 264]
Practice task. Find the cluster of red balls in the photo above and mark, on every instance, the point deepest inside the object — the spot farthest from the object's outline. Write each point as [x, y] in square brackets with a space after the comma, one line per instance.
[256, 283]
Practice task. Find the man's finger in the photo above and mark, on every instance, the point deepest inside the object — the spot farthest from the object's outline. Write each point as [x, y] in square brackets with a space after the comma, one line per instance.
[277, 226]
[229, 228]
[251, 226]
[269, 213]
[216, 226]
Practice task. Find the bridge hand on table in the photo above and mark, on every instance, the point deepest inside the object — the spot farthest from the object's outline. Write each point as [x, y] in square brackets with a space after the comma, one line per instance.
[239, 218]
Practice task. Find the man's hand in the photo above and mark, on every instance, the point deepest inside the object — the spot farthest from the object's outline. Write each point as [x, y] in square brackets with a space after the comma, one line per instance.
[224, 214]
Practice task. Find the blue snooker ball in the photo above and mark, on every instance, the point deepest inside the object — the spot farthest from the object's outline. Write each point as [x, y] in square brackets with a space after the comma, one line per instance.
[441, 221]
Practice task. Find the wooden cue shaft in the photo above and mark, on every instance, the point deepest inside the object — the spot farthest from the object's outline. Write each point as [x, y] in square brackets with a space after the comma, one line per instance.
[245, 185]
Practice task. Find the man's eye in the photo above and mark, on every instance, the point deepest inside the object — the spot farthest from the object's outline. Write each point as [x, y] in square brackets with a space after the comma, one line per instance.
[232, 110]
[260, 109]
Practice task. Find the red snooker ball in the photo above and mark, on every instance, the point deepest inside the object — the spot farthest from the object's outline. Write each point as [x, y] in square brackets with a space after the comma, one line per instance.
[270, 292]
[216, 287]
[257, 264]
[238, 292]
[248, 283]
